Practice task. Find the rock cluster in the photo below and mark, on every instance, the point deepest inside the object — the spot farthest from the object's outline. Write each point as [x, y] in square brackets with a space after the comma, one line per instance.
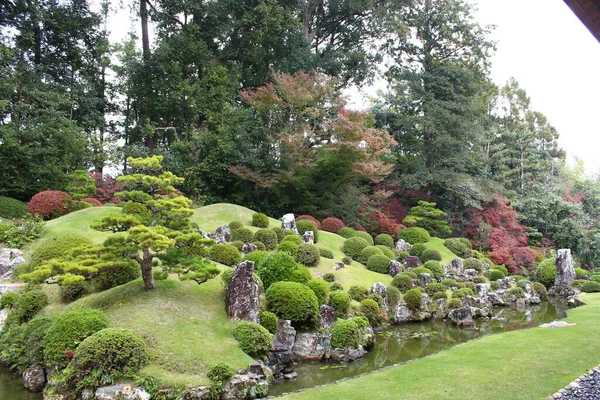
[586, 387]
[223, 234]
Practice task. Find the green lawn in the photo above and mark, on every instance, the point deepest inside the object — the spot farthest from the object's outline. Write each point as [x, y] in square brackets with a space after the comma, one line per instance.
[78, 222]
[526, 364]
[438, 244]
[211, 217]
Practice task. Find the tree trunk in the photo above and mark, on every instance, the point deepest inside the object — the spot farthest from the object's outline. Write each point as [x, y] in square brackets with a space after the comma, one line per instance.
[146, 266]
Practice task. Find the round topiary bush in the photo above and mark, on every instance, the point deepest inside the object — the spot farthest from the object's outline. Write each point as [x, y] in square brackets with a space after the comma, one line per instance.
[495, 285]
[301, 275]
[430, 254]
[449, 282]
[344, 333]
[590, 287]
[9, 300]
[72, 291]
[516, 292]
[421, 270]
[33, 338]
[260, 220]
[365, 236]
[496, 274]
[540, 289]
[305, 225]
[49, 204]
[225, 254]
[30, 303]
[308, 254]
[268, 237]
[378, 263]
[335, 286]
[326, 253]
[582, 273]
[238, 244]
[243, 235]
[297, 240]
[393, 296]
[115, 274]
[501, 268]
[320, 289]
[289, 247]
[269, 321]
[346, 260]
[370, 309]
[294, 301]
[233, 225]
[340, 301]
[353, 246]
[12, 208]
[413, 299]
[460, 293]
[57, 246]
[417, 250]
[332, 225]
[453, 304]
[440, 295]
[414, 235]
[109, 355]
[385, 240]
[279, 232]
[254, 339]
[368, 252]
[347, 232]
[220, 372]
[458, 247]
[437, 271]
[257, 256]
[434, 288]
[402, 282]
[93, 202]
[276, 267]
[479, 279]
[310, 218]
[473, 263]
[68, 330]
[358, 293]
[389, 253]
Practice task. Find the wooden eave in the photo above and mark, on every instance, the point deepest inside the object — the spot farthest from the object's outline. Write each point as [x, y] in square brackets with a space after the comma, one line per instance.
[588, 11]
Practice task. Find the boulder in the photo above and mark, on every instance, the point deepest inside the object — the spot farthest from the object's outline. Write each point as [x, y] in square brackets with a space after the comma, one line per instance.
[457, 265]
[424, 279]
[249, 248]
[535, 300]
[380, 289]
[245, 386]
[308, 237]
[9, 259]
[281, 362]
[410, 262]
[3, 315]
[288, 221]
[243, 294]
[338, 265]
[285, 336]
[562, 291]
[34, 378]
[486, 266]
[469, 274]
[328, 316]
[507, 283]
[401, 313]
[347, 354]
[494, 299]
[9, 287]
[565, 272]
[122, 391]
[261, 370]
[311, 346]
[574, 301]
[462, 317]
[482, 288]
[425, 301]
[403, 245]
[223, 234]
[394, 268]
[199, 393]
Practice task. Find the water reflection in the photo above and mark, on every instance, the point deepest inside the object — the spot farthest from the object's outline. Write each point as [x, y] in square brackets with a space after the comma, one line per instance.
[11, 388]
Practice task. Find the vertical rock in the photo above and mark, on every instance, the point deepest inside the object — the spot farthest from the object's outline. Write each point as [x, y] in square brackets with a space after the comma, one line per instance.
[288, 221]
[457, 265]
[380, 289]
[394, 268]
[565, 273]
[9, 259]
[222, 234]
[328, 316]
[403, 245]
[308, 237]
[242, 294]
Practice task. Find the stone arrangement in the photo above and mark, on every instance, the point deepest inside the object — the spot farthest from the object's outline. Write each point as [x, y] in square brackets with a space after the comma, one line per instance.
[586, 387]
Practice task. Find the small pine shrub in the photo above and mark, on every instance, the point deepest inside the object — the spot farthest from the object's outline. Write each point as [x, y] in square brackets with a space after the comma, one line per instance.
[496, 274]
[368, 252]
[346, 232]
[590, 287]
[329, 277]
[332, 225]
[115, 274]
[233, 225]
[370, 309]
[243, 235]
[297, 240]
[430, 254]
[385, 240]
[340, 301]
[294, 301]
[276, 267]
[220, 372]
[403, 282]
[347, 260]
[308, 254]
[335, 286]
[358, 293]
[353, 246]
[414, 235]
[260, 246]
[266, 236]
[310, 218]
[437, 271]
[260, 220]
[269, 321]
[417, 250]
[254, 339]
[12, 208]
[413, 299]
[518, 278]
[305, 225]
[345, 333]
[289, 247]
[279, 232]
[320, 288]
[378, 263]
[225, 254]
[325, 253]
[49, 204]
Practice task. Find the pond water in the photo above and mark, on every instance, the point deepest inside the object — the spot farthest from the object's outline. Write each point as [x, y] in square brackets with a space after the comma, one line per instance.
[406, 342]
[11, 387]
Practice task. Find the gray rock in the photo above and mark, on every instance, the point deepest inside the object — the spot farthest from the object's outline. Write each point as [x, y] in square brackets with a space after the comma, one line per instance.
[261, 370]
[199, 393]
[347, 354]
[308, 237]
[462, 317]
[223, 234]
[469, 274]
[574, 301]
[380, 289]
[486, 266]
[310, 346]
[535, 300]
[403, 245]
[494, 299]
[565, 272]
[123, 391]
[482, 288]
[285, 336]
[401, 313]
[521, 304]
[249, 386]
[424, 279]
[281, 362]
[290, 376]
[328, 316]
[457, 265]
[243, 294]
[425, 301]
[288, 221]
[507, 283]
[9, 259]
[562, 291]
[9, 287]
[410, 262]
[249, 248]
[34, 378]
[338, 265]
[394, 268]
[3, 315]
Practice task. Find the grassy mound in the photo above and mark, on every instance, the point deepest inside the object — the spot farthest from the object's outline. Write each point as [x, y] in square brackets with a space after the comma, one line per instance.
[438, 244]
[211, 217]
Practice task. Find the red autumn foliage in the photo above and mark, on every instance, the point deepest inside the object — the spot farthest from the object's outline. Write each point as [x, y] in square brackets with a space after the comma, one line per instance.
[361, 228]
[91, 201]
[311, 219]
[106, 187]
[49, 204]
[384, 223]
[523, 256]
[399, 201]
[332, 224]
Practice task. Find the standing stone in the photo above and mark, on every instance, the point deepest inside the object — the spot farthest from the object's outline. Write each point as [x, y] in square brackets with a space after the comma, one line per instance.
[565, 273]
[394, 268]
[457, 265]
[403, 245]
[249, 248]
[411, 262]
[242, 294]
[281, 359]
[379, 288]
[308, 237]
[285, 335]
[288, 221]
[328, 316]
[469, 274]
[223, 234]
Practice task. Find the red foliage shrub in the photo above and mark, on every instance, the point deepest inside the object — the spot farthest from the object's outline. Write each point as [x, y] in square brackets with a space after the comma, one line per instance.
[332, 224]
[385, 224]
[361, 228]
[311, 219]
[523, 257]
[49, 204]
[91, 201]
[106, 187]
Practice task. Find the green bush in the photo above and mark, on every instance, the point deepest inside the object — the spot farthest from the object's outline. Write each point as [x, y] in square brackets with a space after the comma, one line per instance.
[301, 275]
[495, 285]
[581, 273]
[590, 287]
[260, 220]
[449, 282]
[320, 288]
[268, 237]
[292, 238]
[220, 372]
[56, 247]
[378, 263]
[276, 267]
[414, 235]
[33, 337]
[260, 246]
[336, 287]
[370, 309]
[440, 295]
[479, 279]
[347, 232]
[345, 333]
[501, 268]
[329, 277]
[421, 270]
[9, 299]
[403, 282]
[108, 356]
[430, 254]
[325, 253]
[454, 304]
[21, 231]
[540, 289]
[12, 208]
[254, 339]
[434, 288]
[294, 301]
[347, 260]
[366, 236]
[517, 292]
[458, 247]
[30, 303]
[518, 278]
[389, 253]
[368, 252]
[257, 256]
[233, 225]
[353, 246]
[437, 271]
[377, 298]
[243, 235]
[496, 274]
[472, 286]
[417, 250]
[279, 232]
[358, 293]
[308, 254]
[238, 244]
[138, 210]
[394, 296]
[385, 240]
[473, 263]
[68, 330]
[460, 293]
[402, 255]
[225, 254]
[269, 321]
[289, 247]
[305, 225]
[413, 299]
[361, 321]
[115, 274]
[73, 291]
[340, 301]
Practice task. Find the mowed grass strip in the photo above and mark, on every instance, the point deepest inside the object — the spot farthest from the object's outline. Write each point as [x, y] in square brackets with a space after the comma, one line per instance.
[526, 364]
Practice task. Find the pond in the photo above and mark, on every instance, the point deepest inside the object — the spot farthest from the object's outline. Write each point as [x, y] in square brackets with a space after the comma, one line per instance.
[406, 342]
[11, 387]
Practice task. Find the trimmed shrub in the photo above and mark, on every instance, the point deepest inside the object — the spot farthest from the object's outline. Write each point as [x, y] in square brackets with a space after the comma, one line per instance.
[118, 273]
[109, 355]
[276, 267]
[434, 288]
[225, 254]
[590, 287]
[377, 298]
[294, 301]
[340, 301]
[269, 321]
[268, 237]
[458, 247]
[501, 268]
[233, 225]
[301, 275]
[417, 250]
[517, 292]
[143, 214]
[9, 299]
[353, 246]
[346, 260]
[345, 333]
[74, 290]
[320, 289]
[12, 208]
[68, 330]
[347, 232]
[49, 204]
[93, 202]
[368, 252]
[394, 296]
[453, 304]
[479, 279]
[332, 225]
[297, 240]
[289, 247]
[437, 271]
[310, 218]
[540, 289]
[496, 274]
[335, 286]
[305, 225]
[472, 286]
[238, 244]
[257, 256]
[460, 293]
[56, 247]
[449, 282]
[279, 232]
[378, 263]
[582, 273]
[325, 253]
[358, 293]
[421, 270]
[30, 303]
[33, 339]
[329, 277]
[440, 295]
[473, 263]
[495, 285]
[260, 246]
[518, 278]
[220, 372]
[370, 309]
[244, 235]
[254, 339]
[260, 220]
[413, 299]
[430, 254]
[308, 254]
[389, 253]
[545, 273]
[414, 235]
[403, 282]
[385, 240]
[365, 236]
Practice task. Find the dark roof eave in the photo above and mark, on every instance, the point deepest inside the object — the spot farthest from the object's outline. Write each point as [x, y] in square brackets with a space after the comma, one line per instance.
[588, 11]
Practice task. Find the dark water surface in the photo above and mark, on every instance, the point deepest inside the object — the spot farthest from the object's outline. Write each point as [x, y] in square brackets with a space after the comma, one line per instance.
[406, 342]
[11, 387]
